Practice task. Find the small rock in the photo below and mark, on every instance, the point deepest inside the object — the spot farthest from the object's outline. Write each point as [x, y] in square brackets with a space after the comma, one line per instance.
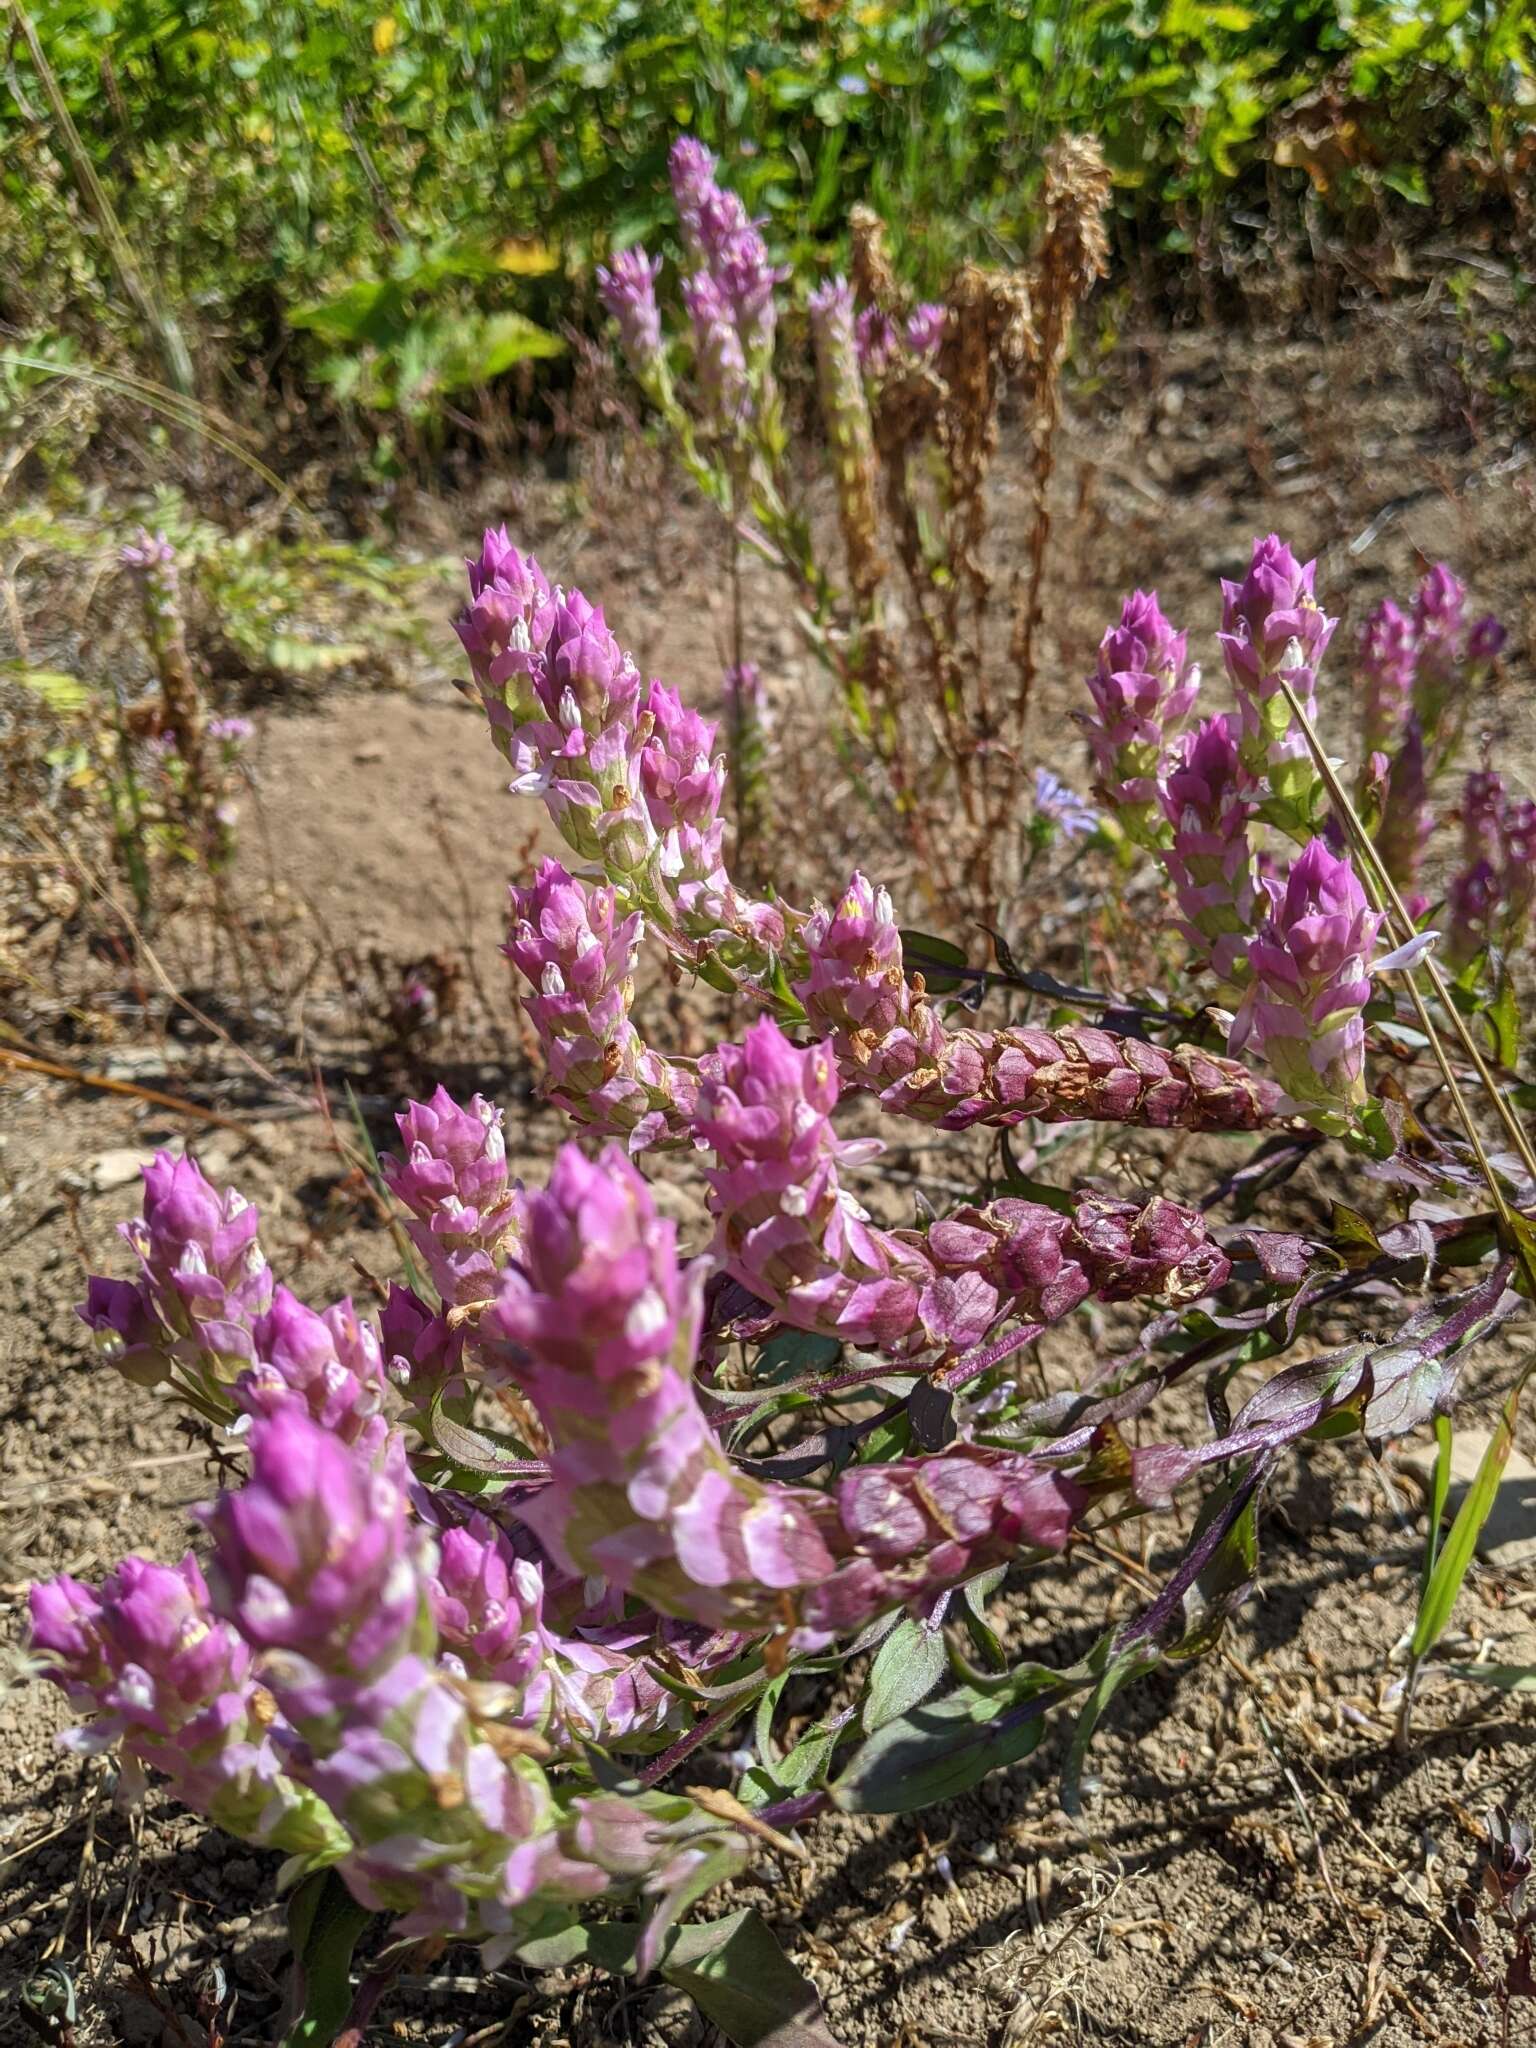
[371, 750]
[1508, 1538]
[675, 2017]
[139, 2023]
[115, 1169]
[937, 1918]
[216, 1162]
[133, 1063]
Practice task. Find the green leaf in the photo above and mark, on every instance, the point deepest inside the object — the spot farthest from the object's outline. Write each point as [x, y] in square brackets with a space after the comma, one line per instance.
[1522, 1235]
[804, 1765]
[1118, 1671]
[743, 1983]
[1408, 181]
[1501, 1677]
[475, 351]
[369, 311]
[934, 959]
[286, 654]
[937, 1751]
[324, 1922]
[1503, 1019]
[487, 1452]
[790, 1354]
[610, 1944]
[1354, 1238]
[1226, 1576]
[975, 1593]
[717, 974]
[911, 1662]
[777, 983]
[1440, 1488]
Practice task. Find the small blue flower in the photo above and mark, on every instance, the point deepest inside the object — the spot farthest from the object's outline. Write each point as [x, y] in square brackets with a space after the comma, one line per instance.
[1063, 807]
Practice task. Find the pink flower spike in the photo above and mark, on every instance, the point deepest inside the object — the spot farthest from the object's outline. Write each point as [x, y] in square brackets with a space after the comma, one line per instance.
[1272, 629]
[1142, 690]
[453, 1180]
[1311, 963]
[628, 290]
[1208, 798]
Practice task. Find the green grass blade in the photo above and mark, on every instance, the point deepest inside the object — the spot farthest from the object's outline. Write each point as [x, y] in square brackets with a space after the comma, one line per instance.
[1450, 1566]
[1440, 1487]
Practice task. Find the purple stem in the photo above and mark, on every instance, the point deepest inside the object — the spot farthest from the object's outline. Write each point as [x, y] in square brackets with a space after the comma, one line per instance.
[985, 1356]
[365, 2003]
[789, 1813]
[1154, 1619]
[699, 1733]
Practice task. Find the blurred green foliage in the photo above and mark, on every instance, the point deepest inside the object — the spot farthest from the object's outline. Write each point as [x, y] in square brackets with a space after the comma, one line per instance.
[401, 198]
[272, 603]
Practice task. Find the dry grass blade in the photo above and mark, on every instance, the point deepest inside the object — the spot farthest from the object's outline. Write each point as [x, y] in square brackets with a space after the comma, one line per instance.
[161, 322]
[1073, 255]
[57, 1070]
[170, 405]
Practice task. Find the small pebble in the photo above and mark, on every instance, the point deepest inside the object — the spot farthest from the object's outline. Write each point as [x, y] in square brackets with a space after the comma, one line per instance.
[936, 1918]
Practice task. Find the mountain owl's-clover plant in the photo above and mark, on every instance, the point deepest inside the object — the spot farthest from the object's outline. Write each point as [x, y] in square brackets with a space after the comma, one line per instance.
[490, 1568]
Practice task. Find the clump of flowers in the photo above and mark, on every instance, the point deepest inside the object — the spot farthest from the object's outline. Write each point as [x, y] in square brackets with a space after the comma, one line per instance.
[1059, 812]
[1274, 634]
[1420, 669]
[1310, 967]
[1489, 898]
[909, 394]
[1142, 691]
[494, 1569]
[1209, 798]
[175, 773]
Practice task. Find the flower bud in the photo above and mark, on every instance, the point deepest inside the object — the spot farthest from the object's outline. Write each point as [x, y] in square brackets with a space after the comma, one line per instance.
[1311, 968]
[628, 289]
[1142, 691]
[1208, 799]
[453, 1180]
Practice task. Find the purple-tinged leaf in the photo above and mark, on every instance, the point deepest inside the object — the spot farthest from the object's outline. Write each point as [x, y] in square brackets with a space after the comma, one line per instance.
[939, 1750]
[911, 1662]
[1415, 1378]
[1284, 1257]
[1388, 1388]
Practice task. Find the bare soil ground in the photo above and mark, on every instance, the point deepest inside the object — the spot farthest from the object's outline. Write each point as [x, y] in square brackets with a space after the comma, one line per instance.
[1256, 1864]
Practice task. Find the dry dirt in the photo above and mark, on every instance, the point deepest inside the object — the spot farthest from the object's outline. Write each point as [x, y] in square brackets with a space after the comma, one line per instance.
[1256, 1864]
